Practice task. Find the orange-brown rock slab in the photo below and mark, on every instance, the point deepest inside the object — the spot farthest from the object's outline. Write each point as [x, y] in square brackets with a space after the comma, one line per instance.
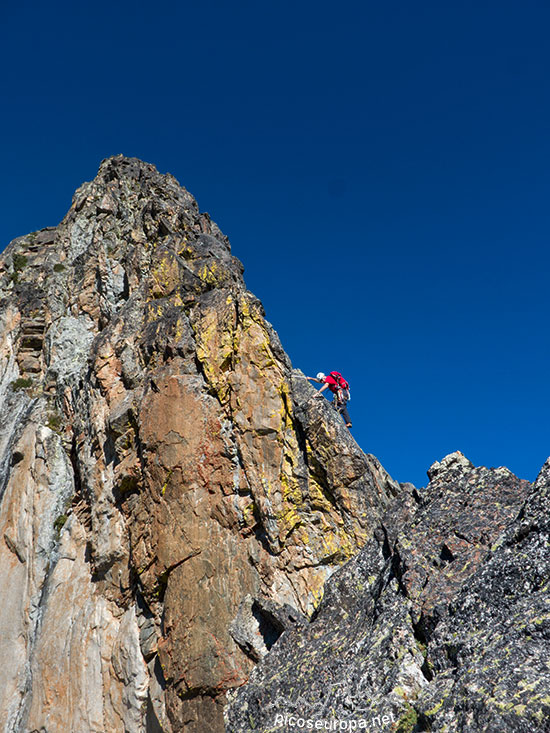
[200, 568]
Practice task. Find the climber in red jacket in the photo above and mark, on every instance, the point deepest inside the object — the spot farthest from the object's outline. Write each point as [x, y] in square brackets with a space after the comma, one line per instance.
[339, 388]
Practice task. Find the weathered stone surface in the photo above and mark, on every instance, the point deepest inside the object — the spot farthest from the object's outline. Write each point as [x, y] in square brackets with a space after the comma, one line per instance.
[260, 622]
[160, 463]
[438, 624]
[34, 496]
[462, 512]
[490, 654]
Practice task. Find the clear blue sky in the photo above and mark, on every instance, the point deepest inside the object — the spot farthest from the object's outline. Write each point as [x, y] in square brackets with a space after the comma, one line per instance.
[381, 168]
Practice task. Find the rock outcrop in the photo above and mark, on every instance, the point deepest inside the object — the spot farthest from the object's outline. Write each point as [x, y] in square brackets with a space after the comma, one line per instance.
[172, 500]
[441, 623]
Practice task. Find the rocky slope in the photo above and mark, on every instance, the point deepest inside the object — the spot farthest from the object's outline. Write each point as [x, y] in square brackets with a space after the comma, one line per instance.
[171, 498]
[441, 623]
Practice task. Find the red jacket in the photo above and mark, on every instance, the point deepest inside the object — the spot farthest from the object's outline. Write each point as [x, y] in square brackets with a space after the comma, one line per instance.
[332, 383]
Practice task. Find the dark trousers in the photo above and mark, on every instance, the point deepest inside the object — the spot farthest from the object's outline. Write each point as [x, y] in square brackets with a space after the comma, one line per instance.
[343, 410]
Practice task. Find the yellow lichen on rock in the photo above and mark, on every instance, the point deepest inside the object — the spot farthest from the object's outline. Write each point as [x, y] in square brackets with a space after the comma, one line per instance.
[213, 274]
[214, 336]
[165, 276]
[288, 517]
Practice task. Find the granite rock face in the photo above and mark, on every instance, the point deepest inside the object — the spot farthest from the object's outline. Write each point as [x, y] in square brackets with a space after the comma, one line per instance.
[172, 499]
[440, 623]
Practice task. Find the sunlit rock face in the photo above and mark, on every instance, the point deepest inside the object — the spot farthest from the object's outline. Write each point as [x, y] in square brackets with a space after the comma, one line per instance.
[440, 623]
[189, 541]
[172, 500]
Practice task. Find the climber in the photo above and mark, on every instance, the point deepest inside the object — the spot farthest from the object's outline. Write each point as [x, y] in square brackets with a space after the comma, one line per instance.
[339, 388]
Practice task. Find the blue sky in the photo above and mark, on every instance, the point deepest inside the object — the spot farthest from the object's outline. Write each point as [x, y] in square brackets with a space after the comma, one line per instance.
[382, 170]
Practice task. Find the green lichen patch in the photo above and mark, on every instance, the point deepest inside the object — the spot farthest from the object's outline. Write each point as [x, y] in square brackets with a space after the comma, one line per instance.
[55, 422]
[21, 383]
[59, 524]
[408, 721]
[19, 262]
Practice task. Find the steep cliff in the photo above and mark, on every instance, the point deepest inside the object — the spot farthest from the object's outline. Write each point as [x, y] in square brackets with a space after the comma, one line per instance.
[171, 498]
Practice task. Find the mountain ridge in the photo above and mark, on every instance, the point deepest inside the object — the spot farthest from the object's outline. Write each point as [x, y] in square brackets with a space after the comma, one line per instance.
[183, 525]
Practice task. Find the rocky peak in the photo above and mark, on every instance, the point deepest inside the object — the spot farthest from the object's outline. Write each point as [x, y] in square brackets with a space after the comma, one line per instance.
[172, 499]
[453, 462]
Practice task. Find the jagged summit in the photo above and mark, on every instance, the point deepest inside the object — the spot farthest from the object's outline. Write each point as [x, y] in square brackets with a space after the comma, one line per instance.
[120, 166]
[161, 463]
[452, 461]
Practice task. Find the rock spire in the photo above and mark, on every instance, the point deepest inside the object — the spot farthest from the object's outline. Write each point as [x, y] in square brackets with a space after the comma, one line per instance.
[171, 498]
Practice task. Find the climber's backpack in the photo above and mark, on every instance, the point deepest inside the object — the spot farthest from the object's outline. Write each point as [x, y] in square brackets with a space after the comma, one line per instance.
[342, 390]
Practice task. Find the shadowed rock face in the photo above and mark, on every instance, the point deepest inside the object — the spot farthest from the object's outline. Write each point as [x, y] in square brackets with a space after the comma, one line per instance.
[171, 498]
[440, 623]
